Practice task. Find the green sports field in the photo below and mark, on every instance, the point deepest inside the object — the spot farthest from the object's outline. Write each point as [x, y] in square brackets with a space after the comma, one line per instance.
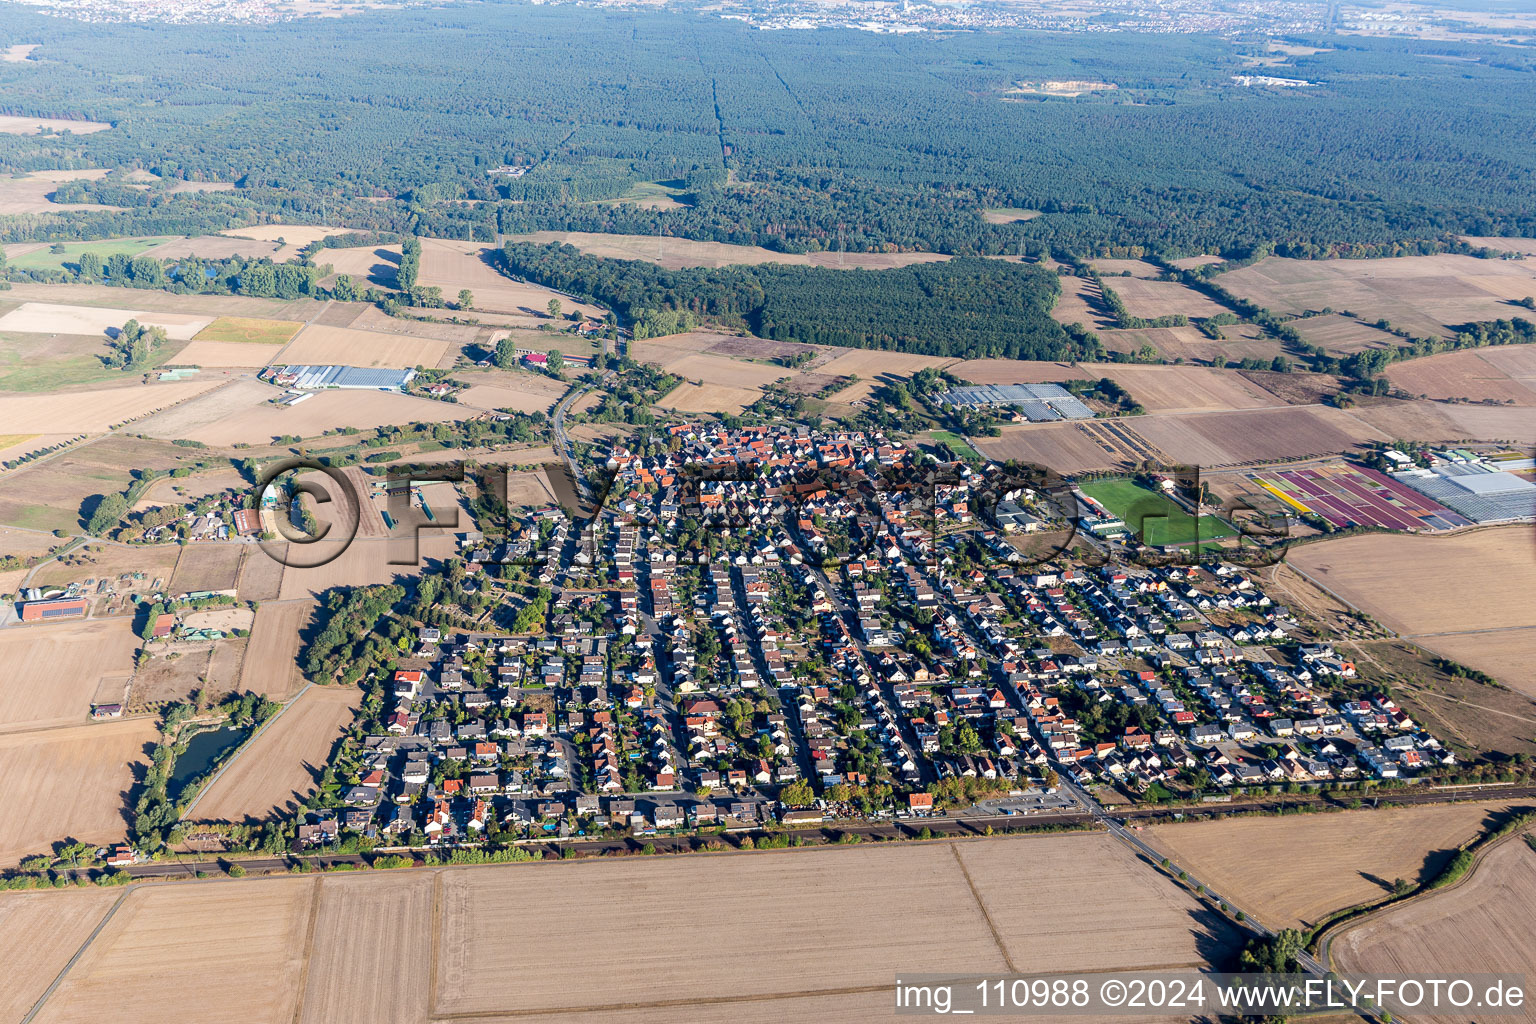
[1157, 519]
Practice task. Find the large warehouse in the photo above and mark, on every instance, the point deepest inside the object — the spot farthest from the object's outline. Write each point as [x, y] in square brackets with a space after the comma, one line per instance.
[315, 378]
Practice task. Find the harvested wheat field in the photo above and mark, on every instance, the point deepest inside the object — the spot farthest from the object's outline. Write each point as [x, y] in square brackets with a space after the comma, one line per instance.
[243, 413]
[708, 369]
[212, 247]
[690, 397]
[53, 671]
[452, 265]
[1460, 583]
[371, 953]
[516, 390]
[271, 666]
[812, 922]
[1081, 302]
[1422, 294]
[294, 237]
[1341, 335]
[99, 410]
[69, 782]
[39, 932]
[679, 253]
[1481, 926]
[363, 562]
[211, 565]
[1151, 299]
[1257, 435]
[1157, 388]
[318, 345]
[1466, 375]
[367, 264]
[1293, 871]
[261, 577]
[1510, 424]
[51, 318]
[28, 193]
[278, 768]
[1064, 447]
[1525, 246]
[1505, 655]
[1134, 268]
[869, 362]
[12, 124]
[230, 953]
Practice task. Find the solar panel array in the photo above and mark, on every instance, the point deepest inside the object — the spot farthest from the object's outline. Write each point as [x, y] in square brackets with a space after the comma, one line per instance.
[1038, 403]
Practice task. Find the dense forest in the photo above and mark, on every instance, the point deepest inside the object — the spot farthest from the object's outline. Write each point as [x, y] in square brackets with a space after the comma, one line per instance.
[969, 307]
[796, 141]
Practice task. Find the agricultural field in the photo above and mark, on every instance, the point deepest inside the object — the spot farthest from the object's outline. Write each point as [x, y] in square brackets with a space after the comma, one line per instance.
[689, 397]
[452, 265]
[1256, 435]
[1101, 911]
[1476, 927]
[206, 307]
[1152, 299]
[186, 489]
[536, 395]
[293, 236]
[365, 561]
[248, 330]
[271, 659]
[1156, 519]
[276, 770]
[1081, 302]
[49, 318]
[55, 362]
[55, 671]
[242, 412]
[12, 124]
[1135, 268]
[1292, 871]
[109, 561]
[1422, 294]
[1524, 246]
[371, 951]
[367, 264]
[261, 577]
[711, 369]
[46, 259]
[319, 345]
[1340, 335]
[39, 932]
[407, 946]
[1008, 215]
[28, 193]
[677, 253]
[172, 675]
[1347, 495]
[1468, 591]
[232, 953]
[69, 782]
[1469, 375]
[1064, 447]
[210, 565]
[1157, 388]
[212, 247]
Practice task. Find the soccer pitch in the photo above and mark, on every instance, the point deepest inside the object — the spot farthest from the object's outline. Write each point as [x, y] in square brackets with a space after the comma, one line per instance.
[1157, 519]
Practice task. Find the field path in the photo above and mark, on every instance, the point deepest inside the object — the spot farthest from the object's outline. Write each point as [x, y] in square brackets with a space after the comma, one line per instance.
[105, 918]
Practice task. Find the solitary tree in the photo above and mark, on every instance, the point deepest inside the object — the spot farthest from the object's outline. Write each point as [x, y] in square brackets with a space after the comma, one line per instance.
[466, 298]
[554, 308]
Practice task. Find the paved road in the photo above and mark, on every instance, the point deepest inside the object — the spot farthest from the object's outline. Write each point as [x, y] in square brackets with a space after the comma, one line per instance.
[563, 440]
